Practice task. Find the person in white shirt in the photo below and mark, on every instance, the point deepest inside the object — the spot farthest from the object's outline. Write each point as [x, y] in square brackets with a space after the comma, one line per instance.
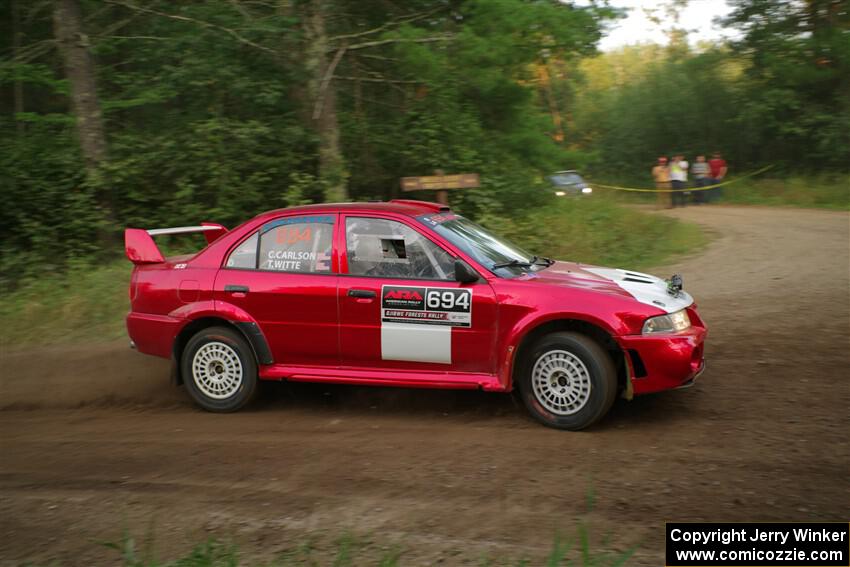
[700, 172]
[679, 178]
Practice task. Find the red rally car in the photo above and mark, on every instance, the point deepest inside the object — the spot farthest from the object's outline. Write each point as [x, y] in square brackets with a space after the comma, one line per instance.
[405, 293]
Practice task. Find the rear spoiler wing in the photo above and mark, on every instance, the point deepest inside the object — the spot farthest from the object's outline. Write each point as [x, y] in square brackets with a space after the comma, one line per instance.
[141, 249]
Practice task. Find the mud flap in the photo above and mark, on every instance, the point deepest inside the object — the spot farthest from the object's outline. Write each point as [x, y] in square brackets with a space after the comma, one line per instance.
[176, 378]
[629, 391]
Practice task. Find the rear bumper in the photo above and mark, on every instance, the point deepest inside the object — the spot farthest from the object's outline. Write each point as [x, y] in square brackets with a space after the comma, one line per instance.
[665, 362]
[153, 334]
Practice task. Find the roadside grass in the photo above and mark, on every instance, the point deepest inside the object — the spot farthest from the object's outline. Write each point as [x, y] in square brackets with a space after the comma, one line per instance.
[83, 304]
[89, 302]
[815, 192]
[349, 550]
[820, 192]
[598, 230]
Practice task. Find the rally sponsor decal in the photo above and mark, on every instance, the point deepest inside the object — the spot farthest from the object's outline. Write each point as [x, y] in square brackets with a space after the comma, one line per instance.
[450, 307]
[436, 220]
[309, 219]
[297, 244]
[417, 321]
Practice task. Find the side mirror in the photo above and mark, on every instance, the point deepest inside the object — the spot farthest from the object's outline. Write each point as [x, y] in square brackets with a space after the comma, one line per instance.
[464, 272]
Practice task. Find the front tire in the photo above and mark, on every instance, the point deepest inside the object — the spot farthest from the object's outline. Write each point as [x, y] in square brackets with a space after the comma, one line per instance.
[219, 370]
[567, 381]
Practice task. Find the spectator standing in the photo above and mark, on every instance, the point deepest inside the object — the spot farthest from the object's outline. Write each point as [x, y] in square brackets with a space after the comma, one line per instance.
[679, 179]
[702, 178]
[661, 175]
[718, 169]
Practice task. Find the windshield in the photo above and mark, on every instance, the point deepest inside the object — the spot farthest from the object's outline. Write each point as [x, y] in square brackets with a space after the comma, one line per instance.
[566, 179]
[486, 248]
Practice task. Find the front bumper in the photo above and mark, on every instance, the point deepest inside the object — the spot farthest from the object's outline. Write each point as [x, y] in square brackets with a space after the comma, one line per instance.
[668, 361]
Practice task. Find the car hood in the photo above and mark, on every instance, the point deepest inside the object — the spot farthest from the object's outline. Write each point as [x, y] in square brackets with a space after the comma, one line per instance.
[640, 287]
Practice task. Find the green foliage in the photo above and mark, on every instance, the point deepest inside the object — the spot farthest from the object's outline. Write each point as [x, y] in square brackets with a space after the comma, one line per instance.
[598, 231]
[208, 554]
[209, 116]
[798, 78]
[780, 94]
[350, 550]
[831, 192]
[689, 104]
[85, 302]
[50, 217]
[209, 108]
[826, 191]
[217, 169]
[465, 104]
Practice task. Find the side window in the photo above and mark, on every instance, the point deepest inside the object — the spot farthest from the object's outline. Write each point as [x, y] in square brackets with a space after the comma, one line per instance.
[245, 255]
[390, 249]
[297, 244]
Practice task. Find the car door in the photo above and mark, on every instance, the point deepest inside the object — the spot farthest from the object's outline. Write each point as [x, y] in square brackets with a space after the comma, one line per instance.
[282, 275]
[400, 307]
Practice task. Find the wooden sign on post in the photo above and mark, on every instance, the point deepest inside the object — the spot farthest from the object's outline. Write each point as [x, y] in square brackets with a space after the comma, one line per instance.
[440, 183]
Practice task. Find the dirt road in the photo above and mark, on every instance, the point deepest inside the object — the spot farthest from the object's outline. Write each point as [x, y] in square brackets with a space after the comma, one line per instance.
[94, 441]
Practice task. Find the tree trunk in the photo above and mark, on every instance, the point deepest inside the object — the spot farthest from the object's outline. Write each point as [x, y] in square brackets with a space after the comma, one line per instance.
[320, 88]
[79, 70]
[18, 86]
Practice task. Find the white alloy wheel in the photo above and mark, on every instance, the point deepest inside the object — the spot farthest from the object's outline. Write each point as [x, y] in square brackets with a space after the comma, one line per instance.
[217, 370]
[561, 382]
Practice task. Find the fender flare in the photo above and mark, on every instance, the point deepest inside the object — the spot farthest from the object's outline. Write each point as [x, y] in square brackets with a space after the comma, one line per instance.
[524, 327]
[233, 315]
[256, 339]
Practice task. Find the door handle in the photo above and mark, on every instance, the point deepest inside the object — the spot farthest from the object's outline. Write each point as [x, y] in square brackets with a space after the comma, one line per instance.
[236, 288]
[362, 293]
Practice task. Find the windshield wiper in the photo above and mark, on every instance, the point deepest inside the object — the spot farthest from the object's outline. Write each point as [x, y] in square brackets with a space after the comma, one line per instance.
[515, 263]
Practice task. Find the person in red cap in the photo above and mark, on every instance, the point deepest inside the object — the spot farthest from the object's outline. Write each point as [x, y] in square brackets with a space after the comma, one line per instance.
[661, 175]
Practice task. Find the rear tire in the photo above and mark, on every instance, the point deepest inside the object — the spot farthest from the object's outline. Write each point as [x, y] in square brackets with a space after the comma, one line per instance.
[219, 369]
[567, 381]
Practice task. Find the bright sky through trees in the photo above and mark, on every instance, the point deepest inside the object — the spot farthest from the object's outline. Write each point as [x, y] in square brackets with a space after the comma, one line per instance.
[637, 27]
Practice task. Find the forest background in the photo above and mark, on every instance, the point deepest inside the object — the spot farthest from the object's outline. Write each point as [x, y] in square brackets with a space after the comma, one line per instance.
[118, 113]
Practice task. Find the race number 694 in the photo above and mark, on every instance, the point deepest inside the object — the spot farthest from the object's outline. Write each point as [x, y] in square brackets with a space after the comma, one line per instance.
[447, 299]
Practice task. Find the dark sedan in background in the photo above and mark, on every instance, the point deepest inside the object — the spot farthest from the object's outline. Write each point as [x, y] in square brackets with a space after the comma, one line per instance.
[569, 183]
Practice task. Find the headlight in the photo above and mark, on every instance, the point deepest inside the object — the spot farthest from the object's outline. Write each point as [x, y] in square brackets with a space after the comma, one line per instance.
[671, 323]
[586, 190]
[559, 193]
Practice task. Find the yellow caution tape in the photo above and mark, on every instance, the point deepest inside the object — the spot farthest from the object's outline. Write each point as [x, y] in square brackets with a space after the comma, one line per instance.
[762, 170]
